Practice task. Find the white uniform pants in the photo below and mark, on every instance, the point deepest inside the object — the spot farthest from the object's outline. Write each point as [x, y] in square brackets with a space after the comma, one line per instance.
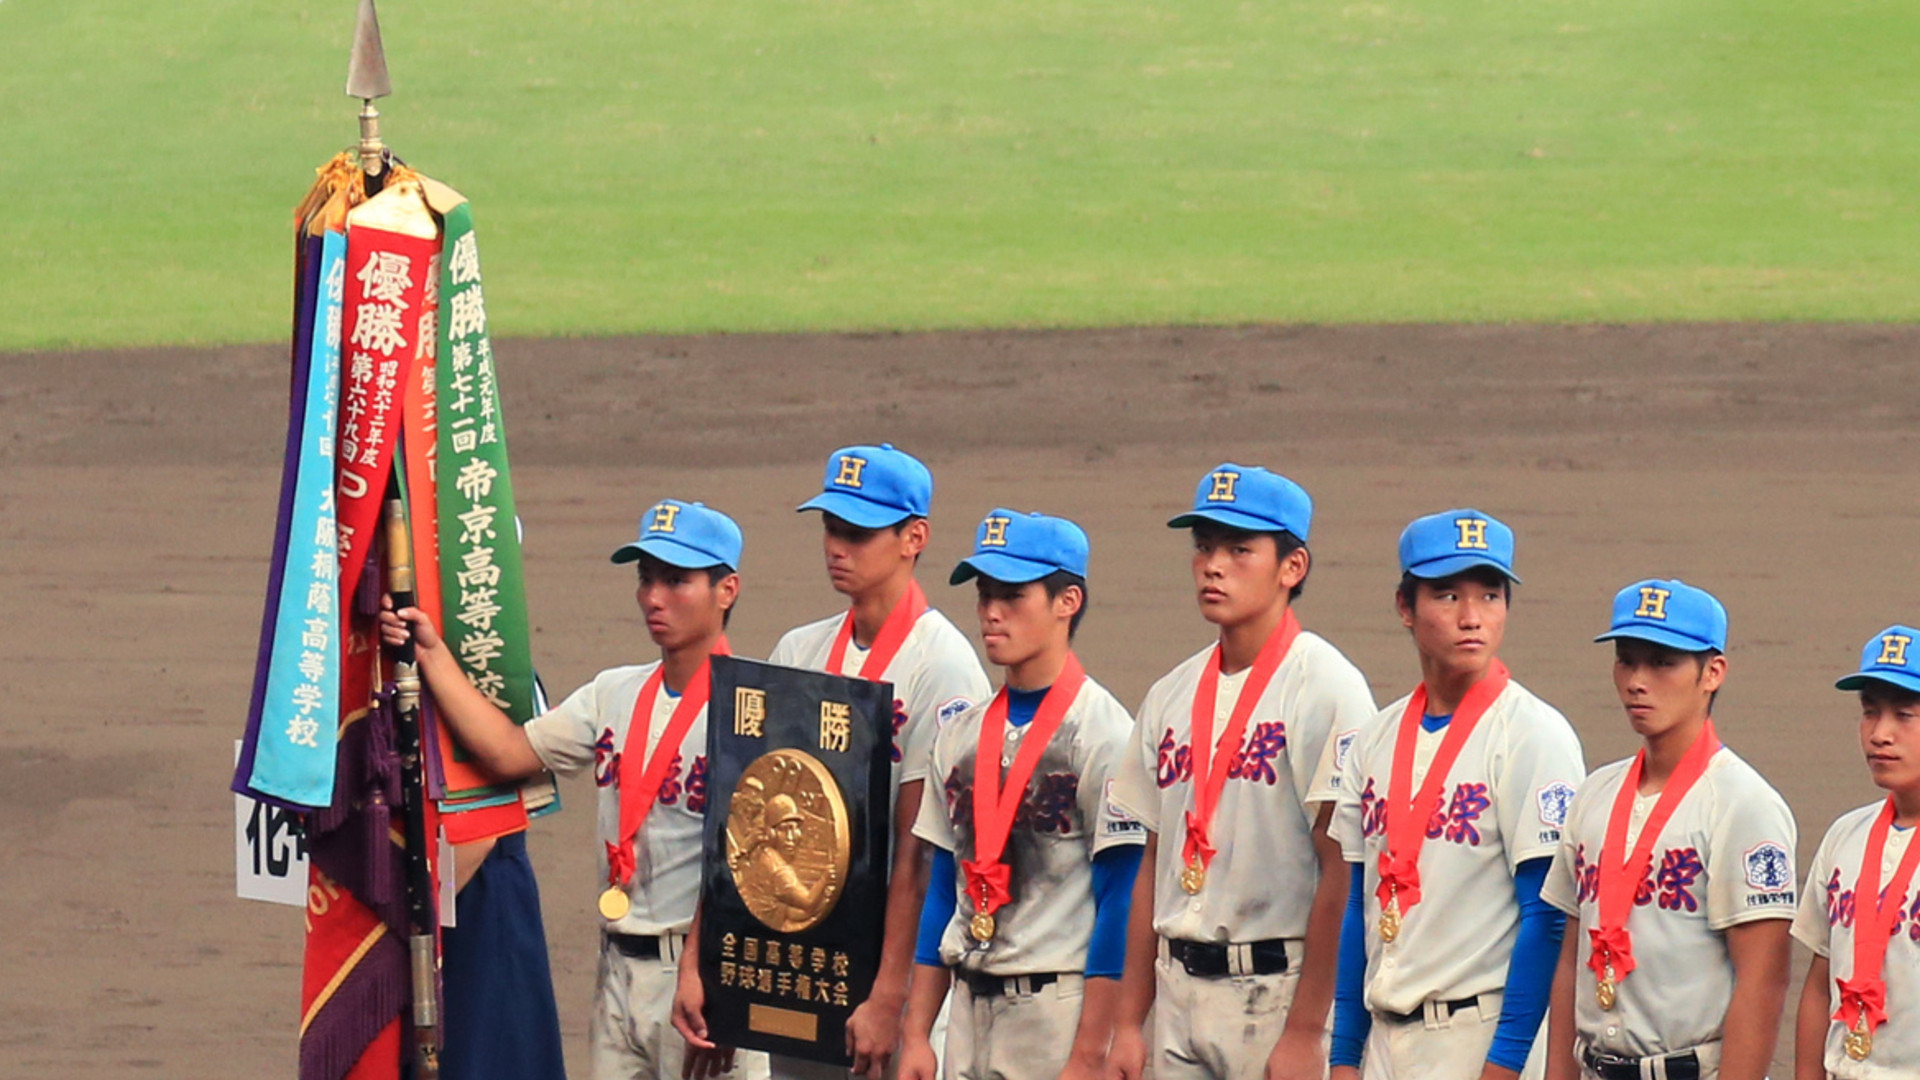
[631, 1035]
[1218, 1028]
[1020, 1034]
[1435, 1046]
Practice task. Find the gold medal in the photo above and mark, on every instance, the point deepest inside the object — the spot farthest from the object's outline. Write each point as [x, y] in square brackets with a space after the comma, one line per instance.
[982, 926]
[1859, 1041]
[1194, 877]
[614, 904]
[1607, 991]
[1390, 918]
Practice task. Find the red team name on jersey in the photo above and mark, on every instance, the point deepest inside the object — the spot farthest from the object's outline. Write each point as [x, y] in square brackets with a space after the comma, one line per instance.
[1840, 909]
[606, 769]
[899, 721]
[1458, 823]
[1047, 808]
[1252, 762]
[1672, 886]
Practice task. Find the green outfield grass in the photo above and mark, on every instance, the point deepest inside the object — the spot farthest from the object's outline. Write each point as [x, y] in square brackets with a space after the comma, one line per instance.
[699, 165]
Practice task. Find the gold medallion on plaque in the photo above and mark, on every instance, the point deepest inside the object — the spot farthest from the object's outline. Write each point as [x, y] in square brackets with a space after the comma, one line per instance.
[788, 840]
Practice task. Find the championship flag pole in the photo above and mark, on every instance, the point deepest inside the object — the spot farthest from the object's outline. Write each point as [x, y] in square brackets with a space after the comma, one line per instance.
[393, 388]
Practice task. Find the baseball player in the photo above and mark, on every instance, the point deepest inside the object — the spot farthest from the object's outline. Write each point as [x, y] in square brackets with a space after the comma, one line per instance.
[1859, 912]
[642, 729]
[874, 504]
[1450, 813]
[1233, 935]
[1032, 870]
[1676, 868]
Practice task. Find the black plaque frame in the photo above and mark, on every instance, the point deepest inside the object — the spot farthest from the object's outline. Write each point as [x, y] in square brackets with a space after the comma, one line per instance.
[844, 948]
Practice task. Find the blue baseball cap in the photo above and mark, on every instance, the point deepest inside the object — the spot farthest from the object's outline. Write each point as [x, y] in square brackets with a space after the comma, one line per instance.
[1251, 498]
[1888, 657]
[1442, 545]
[874, 486]
[692, 536]
[1018, 548]
[1671, 613]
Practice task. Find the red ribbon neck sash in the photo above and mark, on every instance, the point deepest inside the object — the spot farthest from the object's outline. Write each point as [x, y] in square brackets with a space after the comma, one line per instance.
[996, 805]
[639, 778]
[1406, 827]
[886, 644]
[1210, 768]
[1620, 870]
[1863, 998]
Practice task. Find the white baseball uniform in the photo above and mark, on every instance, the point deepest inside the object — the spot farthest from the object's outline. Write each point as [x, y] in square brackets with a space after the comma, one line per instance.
[1725, 857]
[631, 1032]
[1064, 820]
[936, 676]
[1261, 882]
[1504, 802]
[1825, 925]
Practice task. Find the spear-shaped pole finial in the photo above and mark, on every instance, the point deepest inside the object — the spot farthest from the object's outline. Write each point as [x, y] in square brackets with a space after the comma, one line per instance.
[367, 80]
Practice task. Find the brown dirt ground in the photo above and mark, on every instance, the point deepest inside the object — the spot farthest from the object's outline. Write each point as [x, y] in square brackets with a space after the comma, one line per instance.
[1773, 464]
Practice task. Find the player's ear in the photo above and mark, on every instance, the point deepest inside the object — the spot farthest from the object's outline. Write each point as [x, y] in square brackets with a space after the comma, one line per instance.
[1294, 566]
[1068, 602]
[1713, 672]
[915, 536]
[1403, 601]
[727, 591]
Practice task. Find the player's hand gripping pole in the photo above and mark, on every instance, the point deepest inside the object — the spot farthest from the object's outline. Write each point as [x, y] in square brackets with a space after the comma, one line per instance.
[422, 941]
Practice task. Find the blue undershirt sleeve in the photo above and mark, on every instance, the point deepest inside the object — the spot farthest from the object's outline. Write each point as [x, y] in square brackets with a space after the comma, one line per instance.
[1113, 872]
[1536, 954]
[937, 911]
[1351, 1020]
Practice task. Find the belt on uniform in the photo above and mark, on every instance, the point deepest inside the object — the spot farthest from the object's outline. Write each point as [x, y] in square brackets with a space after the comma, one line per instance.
[1211, 960]
[635, 946]
[982, 985]
[1684, 1065]
[1444, 1008]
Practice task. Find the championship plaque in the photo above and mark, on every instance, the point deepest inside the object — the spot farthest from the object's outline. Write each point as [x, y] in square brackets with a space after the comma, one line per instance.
[794, 880]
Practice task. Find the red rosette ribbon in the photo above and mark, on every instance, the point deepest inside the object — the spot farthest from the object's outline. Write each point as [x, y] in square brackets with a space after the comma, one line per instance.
[1399, 876]
[1612, 948]
[620, 866]
[1867, 995]
[988, 884]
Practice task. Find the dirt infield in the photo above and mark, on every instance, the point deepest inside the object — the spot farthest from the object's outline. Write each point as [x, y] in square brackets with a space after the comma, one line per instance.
[1775, 465]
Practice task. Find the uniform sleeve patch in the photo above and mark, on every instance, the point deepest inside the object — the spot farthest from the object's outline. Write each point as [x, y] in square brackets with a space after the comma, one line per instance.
[1555, 800]
[1342, 746]
[1118, 822]
[1769, 867]
[950, 709]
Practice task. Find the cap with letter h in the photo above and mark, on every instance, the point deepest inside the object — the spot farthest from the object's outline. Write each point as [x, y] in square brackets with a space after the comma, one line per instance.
[1017, 548]
[1250, 498]
[1888, 657]
[873, 487]
[1671, 613]
[690, 535]
[1442, 545]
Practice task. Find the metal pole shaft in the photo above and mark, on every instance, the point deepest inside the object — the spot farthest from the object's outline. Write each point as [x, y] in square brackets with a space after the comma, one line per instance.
[423, 954]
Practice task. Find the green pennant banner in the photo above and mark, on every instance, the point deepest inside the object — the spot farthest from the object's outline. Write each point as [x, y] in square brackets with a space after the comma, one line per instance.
[482, 584]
